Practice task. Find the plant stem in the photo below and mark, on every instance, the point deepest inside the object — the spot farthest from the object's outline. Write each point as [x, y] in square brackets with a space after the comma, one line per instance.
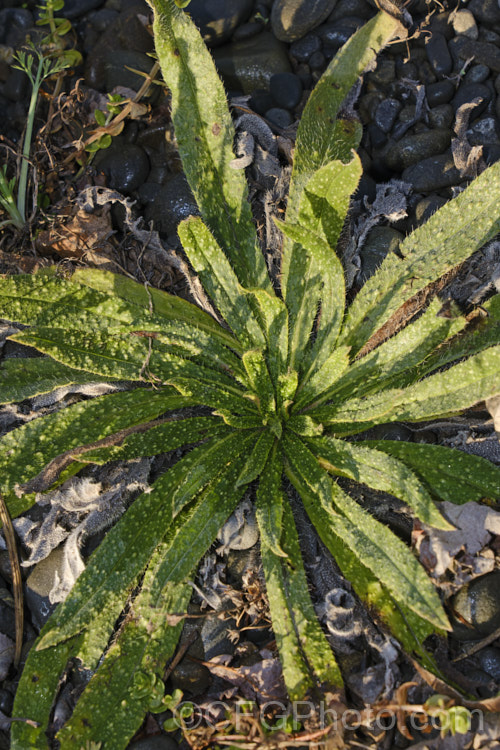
[23, 176]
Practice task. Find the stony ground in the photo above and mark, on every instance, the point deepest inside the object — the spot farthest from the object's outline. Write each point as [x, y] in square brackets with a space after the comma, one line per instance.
[431, 116]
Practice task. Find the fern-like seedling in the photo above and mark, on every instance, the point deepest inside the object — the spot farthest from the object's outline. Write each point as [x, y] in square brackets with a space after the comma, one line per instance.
[286, 380]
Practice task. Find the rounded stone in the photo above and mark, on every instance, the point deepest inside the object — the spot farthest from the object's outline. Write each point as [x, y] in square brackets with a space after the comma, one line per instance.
[464, 23]
[76, 8]
[434, 173]
[16, 86]
[286, 90]
[441, 116]
[260, 101]
[379, 242]
[171, 204]
[125, 165]
[292, 19]
[440, 92]
[467, 92]
[116, 69]
[346, 8]
[412, 149]
[218, 19]
[486, 12]
[304, 48]
[476, 608]
[14, 23]
[189, 676]
[6, 701]
[428, 206]
[477, 74]
[40, 583]
[249, 65]
[483, 131]
[438, 54]
[489, 661]
[386, 113]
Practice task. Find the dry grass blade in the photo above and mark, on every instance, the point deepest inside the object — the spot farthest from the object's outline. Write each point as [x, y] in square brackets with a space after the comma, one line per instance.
[10, 540]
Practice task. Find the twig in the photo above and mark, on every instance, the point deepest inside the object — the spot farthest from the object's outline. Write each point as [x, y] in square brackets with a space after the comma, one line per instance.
[10, 539]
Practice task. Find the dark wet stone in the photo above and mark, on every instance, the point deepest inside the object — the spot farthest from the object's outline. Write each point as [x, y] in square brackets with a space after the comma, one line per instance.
[76, 8]
[485, 11]
[485, 53]
[434, 173]
[191, 677]
[380, 242]
[249, 65]
[14, 23]
[439, 93]
[260, 101]
[464, 23]
[173, 203]
[303, 48]
[218, 20]
[386, 113]
[412, 149]
[467, 93]
[489, 661]
[439, 24]
[317, 61]
[441, 116]
[116, 69]
[477, 604]
[384, 73]
[438, 54]
[391, 431]
[477, 74]
[292, 19]
[40, 583]
[148, 191]
[125, 165]
[102, 19]
[286, 90]
[426, 207]
[247, 30]
[491, 153]
[346, 8]
[483, 131]
[279, 117]
[17, 86]
[132, 34]
[334, 35]
[6, 701]
[377, 136]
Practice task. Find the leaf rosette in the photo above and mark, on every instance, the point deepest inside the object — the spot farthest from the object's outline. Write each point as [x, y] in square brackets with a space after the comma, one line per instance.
[288, 380]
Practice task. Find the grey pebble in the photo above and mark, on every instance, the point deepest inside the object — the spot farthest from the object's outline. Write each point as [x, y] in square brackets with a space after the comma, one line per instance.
[485, 11]
[489, 661]
[345, 8]
[172, 203]
[317, 61]
[116, 69]
[218, 20]
[428, 206]
[76, 8]
[477, 603]
[303, 48]
[412, 149]
[40, 583]
[465, 23]
[125, 165]
[14, 23]
[467, 93]
[438, 54]
[286, 90]
[485, 53]
[248, 65]
[439, 93]
[476, 74]
[380, 242]
[483, 131]
[292, 19]
[386, 113]
[434, 173]
[441, 116]
[16, 86]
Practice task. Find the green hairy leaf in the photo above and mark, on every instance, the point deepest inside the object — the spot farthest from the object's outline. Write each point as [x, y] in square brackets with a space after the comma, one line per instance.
[259, 400]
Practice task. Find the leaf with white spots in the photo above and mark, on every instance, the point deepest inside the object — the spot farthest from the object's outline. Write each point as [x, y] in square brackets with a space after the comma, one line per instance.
[199, 107]
[449, 474]
[448, 238]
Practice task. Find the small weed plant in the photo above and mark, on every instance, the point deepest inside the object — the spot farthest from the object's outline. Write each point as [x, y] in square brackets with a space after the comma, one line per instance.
[288, 379]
